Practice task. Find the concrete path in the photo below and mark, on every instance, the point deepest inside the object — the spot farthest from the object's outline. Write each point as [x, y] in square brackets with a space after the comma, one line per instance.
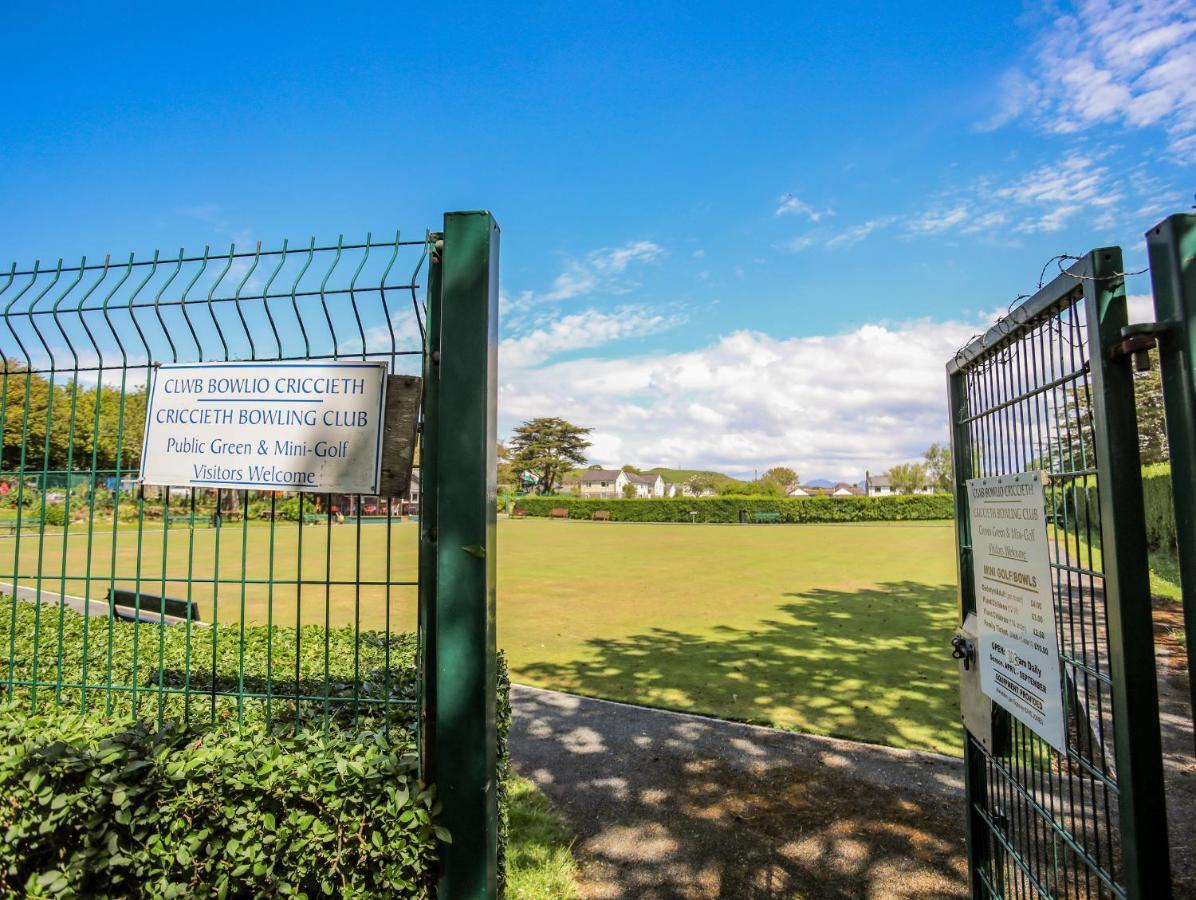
[671, 805]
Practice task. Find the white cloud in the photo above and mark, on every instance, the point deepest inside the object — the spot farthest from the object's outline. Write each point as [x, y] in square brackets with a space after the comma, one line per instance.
[937, 221]
[857, 233]
[1106, 61]
[1140, 307]
[832, 405]
[599, 271]
[582, 330]
[792, 205]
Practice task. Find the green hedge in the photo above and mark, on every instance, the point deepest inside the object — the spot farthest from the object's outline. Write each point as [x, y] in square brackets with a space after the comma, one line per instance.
[1080, 507]
[122, 796]
[1160, 508]
[120, 809]
[916, 507]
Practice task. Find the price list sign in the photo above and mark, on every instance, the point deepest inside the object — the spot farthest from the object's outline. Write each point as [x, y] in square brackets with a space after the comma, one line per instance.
[1017, 650]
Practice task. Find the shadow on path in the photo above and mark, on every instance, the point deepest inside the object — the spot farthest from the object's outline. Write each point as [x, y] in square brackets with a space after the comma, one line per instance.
[669, 805]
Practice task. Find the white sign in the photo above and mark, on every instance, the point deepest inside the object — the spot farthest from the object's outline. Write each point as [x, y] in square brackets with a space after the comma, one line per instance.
[303, 426]
[1016, 650]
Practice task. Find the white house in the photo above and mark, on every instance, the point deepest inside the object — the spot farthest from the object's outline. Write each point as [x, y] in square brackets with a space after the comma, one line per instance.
[646, 485]
[602, 483]
[882, 486]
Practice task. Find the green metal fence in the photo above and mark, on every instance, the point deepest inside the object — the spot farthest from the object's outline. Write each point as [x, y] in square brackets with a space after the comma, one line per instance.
[298, 609]
[1172, 248]
[1047, 389]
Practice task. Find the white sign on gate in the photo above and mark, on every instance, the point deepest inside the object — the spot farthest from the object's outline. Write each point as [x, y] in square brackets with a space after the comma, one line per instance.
[302, 426]
[1016, 650]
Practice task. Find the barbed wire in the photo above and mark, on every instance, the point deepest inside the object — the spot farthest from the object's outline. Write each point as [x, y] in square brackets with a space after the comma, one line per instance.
[1005, 324]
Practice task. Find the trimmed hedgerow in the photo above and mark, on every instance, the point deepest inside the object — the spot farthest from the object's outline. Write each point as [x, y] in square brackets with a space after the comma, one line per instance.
[916, 507]
[122, 809]
[168, 796]
[1160, 508]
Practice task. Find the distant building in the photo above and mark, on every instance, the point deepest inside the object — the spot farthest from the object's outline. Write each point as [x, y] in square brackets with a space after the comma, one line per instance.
[882, 486]
[602, 483]
[646, 485]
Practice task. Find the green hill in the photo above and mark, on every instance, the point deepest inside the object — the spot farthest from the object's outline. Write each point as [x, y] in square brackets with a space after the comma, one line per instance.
[670, 476]
[676, 476]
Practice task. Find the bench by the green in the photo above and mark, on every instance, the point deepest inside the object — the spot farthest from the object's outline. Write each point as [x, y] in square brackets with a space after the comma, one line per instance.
[25, 522]
[191, 519]
[766, 518]
[312, 518]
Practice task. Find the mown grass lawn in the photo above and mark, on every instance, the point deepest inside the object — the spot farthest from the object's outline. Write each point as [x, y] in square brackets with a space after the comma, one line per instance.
[831, 629]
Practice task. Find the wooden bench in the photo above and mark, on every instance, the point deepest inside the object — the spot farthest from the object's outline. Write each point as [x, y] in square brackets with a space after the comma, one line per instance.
[601, 515]
[766, 518]
[558, 513]
[518, 511]
[26, 522]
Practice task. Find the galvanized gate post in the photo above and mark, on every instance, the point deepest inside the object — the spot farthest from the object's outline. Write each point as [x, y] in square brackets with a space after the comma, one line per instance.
[462, 737]
[1172, 248]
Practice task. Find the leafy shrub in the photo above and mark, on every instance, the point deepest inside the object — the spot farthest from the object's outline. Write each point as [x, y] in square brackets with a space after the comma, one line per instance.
[119, 808]
[1160, 508]
[206, 760]
[54, 515]
[915, 507]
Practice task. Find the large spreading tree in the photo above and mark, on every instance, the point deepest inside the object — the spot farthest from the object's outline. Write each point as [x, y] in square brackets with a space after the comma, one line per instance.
[548, 448]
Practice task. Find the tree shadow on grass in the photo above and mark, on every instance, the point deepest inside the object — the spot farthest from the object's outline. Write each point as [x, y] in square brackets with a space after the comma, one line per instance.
[871, 665]
[669, 806]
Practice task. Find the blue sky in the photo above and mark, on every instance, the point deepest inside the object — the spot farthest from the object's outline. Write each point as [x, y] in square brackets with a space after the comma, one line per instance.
[733, 236]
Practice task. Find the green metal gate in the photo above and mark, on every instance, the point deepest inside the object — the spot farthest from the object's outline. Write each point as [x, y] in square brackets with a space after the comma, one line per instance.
[1172, 248]
[1048, 389]
[293, 608]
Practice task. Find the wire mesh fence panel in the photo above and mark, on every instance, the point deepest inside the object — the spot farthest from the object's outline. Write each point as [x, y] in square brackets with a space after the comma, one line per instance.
[191, 602]
[1041, 392]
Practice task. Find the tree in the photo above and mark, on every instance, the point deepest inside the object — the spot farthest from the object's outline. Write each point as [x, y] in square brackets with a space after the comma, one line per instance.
[629, 491]
[506, 478]
[702, 483]
[549, 447]
[1152, 424]
[761, 487]
[938, 466]
[907, 477]
[783, 477]
[631, 470]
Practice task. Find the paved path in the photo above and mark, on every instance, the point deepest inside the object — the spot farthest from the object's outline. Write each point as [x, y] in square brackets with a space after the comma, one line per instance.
[670, 805]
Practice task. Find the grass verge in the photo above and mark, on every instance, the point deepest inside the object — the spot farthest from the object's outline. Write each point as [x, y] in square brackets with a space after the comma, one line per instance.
[540, 864]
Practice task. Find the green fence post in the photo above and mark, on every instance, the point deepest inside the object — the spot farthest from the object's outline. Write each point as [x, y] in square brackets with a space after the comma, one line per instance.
[975, 780]
[1172, 248]
[464, 740]
[1137, 742]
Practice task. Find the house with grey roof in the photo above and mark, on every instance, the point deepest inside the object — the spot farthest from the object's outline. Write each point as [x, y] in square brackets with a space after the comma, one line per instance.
[646, 485]
[602, 483]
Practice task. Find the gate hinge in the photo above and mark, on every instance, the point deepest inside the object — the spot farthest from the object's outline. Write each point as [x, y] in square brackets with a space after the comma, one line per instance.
[1137, 339]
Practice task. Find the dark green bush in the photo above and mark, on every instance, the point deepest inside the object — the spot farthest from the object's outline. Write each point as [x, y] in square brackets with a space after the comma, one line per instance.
[916, 507]
[54, 515]
[1160, 508]
[121, 809]
[199, 774]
